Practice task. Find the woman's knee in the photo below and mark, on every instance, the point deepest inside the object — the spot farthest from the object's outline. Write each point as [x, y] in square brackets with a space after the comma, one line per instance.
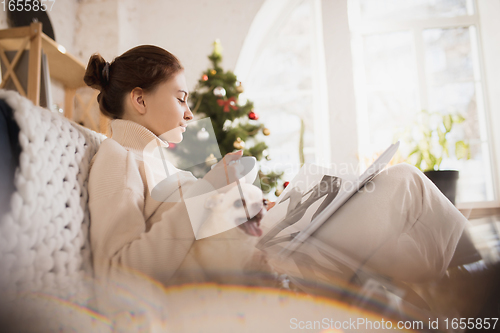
[402, 174]
[404, 170]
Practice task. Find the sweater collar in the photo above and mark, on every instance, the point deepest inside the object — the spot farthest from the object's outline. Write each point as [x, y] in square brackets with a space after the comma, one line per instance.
[133, 135]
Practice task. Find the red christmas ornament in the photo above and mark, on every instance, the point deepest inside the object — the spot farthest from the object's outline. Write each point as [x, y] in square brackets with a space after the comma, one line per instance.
[285, 184]
[252, 115]
[230, 102]
[204, 77]
[171, 145]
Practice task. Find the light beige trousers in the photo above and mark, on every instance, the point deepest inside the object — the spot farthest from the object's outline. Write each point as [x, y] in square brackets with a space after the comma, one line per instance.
[400, 225]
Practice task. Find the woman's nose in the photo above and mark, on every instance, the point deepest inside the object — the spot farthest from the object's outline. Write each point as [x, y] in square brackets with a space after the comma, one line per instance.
[188, 115]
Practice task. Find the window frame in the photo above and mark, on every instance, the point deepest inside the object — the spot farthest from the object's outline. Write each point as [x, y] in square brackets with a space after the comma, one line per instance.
[269, 19]
[488, 121]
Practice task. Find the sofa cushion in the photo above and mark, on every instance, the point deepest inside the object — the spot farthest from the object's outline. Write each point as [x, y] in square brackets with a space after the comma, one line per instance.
[44, 245]
[9, 150]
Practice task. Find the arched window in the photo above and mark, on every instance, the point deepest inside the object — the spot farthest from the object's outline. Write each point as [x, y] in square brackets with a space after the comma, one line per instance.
[281, 66]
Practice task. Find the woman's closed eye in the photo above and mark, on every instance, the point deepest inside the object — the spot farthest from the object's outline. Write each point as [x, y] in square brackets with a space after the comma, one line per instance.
[181, 100]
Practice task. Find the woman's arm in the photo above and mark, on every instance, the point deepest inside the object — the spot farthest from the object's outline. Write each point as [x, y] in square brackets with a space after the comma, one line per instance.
[118, 228]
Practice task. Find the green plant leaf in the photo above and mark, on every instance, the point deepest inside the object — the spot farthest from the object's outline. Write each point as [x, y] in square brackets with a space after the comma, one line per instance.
[419, 161]
[447, 122]
[458, 118]
[462, 150]
[438, 163]
[414, 151]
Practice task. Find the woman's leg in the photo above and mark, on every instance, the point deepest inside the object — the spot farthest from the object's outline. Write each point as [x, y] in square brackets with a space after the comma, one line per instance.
[400, 225]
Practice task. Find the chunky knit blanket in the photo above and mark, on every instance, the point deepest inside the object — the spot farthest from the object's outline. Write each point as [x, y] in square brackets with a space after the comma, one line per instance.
[44, 243]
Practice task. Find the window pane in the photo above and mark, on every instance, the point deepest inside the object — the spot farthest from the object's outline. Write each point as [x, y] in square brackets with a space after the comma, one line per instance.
[390, 59]
[413, 9]
[280, 84]
[438, 71]
[392, 92]
[285, 64]
[453, 83]
[282, 114]
[448, 55]
[453, 97]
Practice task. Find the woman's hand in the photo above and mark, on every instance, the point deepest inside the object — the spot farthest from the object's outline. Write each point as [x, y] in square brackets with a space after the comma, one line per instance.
[252, 226]
[225, 172]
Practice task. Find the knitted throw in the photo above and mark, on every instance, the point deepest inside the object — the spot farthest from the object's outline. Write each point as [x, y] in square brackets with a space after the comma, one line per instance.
[44, 245]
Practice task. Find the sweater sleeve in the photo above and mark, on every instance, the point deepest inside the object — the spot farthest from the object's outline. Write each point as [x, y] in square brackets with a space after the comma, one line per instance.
[118, 228]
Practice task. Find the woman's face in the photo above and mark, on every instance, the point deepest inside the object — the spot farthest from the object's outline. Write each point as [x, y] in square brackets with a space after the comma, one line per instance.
[167, 110]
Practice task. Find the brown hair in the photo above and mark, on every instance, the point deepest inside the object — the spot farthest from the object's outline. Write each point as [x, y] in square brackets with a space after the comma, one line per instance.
[144, 66]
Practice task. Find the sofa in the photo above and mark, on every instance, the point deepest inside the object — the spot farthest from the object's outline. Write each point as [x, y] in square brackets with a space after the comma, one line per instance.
[44, 220]
[46, 276]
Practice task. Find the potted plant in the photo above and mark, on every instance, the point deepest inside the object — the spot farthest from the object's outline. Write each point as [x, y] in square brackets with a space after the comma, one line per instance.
[429, 142]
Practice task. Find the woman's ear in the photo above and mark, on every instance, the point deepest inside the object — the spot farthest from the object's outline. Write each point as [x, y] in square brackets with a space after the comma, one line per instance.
[137, 99]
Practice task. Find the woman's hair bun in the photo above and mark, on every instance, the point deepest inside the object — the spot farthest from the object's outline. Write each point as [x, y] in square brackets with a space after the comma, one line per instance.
[97, 72]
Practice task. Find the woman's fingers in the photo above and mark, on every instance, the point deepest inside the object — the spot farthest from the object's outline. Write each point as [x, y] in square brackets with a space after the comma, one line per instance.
[228, 158]
[252, 226]
[220, 177]
[233, 156]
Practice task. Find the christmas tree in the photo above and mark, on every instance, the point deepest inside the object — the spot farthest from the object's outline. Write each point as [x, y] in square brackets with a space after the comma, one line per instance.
[235, 126]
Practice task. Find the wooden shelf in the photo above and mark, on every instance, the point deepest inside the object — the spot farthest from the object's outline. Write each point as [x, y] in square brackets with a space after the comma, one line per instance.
[63, 66]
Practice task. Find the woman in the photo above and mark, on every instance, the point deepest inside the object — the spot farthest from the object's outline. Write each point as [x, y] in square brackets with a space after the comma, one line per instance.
[145, 94]
[406, 228]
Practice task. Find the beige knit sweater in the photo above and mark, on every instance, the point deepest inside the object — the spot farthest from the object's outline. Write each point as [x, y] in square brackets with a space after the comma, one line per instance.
[130, 229]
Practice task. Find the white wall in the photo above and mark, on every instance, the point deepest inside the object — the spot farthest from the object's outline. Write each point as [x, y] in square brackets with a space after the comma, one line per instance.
[96, 29]
[3, 20]
[62, 16]
[185, 28]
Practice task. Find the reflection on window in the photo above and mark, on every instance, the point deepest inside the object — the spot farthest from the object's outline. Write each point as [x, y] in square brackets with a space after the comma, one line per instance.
[403, 67]
[282, 83]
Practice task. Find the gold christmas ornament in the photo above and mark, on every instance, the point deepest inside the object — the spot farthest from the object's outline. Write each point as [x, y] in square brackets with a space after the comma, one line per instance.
[239, 144]
[266, 131]
[239, 87]
[213, 72]
[278, 192]
[210, 160]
